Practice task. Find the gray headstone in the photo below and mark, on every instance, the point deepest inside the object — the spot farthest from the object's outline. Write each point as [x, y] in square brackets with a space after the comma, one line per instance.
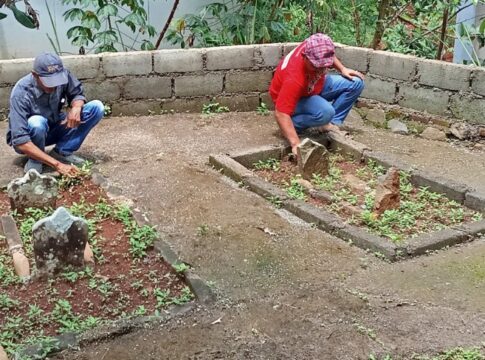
[32, 190]
[59, 241]
[312, 159]
[397, 127]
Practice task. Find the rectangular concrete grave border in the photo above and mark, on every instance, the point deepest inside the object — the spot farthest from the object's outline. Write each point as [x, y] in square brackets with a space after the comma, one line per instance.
[236, 166]
[202, 291]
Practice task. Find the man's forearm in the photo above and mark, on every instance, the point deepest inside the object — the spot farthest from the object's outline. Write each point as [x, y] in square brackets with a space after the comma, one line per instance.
[32, 151]
[286, 126]
[77, 103]
[337, 64]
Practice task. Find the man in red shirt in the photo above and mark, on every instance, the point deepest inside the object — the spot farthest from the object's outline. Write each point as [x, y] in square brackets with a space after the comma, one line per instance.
[305, 96]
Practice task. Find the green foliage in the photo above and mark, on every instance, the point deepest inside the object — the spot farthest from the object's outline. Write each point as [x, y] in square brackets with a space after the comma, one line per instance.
[203, 230]
[276, 201]
[181, 268]
[268, 164]
[295, 190]
[263, 109]
[27, 18]
[140, 238]
[101, 25]
[214, 108]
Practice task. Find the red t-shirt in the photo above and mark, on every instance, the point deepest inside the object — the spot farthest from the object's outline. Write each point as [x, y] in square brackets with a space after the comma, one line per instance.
[290, 82]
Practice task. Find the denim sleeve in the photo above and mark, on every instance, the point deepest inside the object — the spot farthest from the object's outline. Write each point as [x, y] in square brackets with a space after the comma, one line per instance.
[74, 89]
[18, 117]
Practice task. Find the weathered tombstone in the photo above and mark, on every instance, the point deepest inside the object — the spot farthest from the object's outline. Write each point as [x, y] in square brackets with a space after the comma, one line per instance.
[59, 241]
[15, 247]
[32, 190]
[312, 159]
[387, 193]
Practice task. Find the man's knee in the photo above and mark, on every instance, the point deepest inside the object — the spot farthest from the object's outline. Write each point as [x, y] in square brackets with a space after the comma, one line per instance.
[325, 115]
[94, 110]
[358, 84]
[38, 125]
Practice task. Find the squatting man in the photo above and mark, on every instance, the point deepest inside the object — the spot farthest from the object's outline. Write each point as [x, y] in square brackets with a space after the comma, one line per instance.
[37, 120]
[305, 96]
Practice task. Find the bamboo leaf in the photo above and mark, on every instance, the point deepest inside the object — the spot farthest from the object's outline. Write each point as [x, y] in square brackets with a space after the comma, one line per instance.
[22, 17]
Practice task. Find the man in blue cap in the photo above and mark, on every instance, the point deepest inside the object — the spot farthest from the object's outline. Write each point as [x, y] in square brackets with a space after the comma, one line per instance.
[36, 118]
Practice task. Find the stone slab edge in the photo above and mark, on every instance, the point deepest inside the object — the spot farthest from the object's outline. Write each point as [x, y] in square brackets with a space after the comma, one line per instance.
[199, 287]
[103, 332]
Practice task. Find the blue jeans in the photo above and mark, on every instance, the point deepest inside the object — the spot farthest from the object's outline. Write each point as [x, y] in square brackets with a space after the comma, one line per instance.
[331, 106]
[66, 140]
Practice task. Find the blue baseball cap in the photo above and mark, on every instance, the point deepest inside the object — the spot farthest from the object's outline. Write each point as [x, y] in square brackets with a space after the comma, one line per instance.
[50, 69]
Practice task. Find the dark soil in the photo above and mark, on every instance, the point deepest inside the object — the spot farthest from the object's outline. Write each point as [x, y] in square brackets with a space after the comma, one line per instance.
[118, 285]
[349, 192]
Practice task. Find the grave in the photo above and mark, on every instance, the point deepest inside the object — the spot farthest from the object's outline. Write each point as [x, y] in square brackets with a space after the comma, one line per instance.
[427, 213]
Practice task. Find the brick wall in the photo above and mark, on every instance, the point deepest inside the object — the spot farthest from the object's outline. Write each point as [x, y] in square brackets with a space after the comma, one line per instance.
[239, 76]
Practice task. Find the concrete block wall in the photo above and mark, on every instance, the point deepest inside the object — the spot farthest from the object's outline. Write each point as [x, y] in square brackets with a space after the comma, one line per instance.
[435, 87]
[239, 76]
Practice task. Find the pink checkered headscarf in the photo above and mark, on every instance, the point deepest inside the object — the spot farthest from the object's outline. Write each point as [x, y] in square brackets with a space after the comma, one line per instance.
[320, 50]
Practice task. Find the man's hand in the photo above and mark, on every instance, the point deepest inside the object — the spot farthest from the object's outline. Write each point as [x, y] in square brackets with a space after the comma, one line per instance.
[73, 119]
[67, 170]
[349, 74]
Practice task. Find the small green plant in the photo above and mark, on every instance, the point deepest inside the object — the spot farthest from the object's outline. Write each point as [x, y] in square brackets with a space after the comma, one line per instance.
[214, 108]
[141, 239]
[276, 201]
[269, 164]
[181, 267]
[295, 190]
[375, 168]
[203, 230]
[107, 110]
[7, 303]
[185, 297]
[262, 109]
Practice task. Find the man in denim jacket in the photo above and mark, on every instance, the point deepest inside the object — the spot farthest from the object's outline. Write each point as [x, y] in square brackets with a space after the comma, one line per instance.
[36, 119]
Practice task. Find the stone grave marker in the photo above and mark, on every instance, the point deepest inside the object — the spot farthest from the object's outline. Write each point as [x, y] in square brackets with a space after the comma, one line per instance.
[59, 241]
[388, 195]
[312, 159]
[32, 190]
[15, 247]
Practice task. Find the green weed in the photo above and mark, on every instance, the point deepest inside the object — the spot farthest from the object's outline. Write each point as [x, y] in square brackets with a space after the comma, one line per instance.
[269, 164]
[214, 108]
[276, 201]
[263, 109]
[295, 190]
[203, 230]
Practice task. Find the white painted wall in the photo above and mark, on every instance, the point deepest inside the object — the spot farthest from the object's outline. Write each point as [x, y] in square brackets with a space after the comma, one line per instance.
[17, 41]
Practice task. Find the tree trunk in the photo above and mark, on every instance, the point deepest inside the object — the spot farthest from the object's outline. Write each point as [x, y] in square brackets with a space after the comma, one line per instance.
[167, 24]
[384, 9]
[443, 34]
[358, 39]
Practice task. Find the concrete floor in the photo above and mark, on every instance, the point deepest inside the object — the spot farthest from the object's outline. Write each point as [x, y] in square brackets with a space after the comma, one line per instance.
[301, 294]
